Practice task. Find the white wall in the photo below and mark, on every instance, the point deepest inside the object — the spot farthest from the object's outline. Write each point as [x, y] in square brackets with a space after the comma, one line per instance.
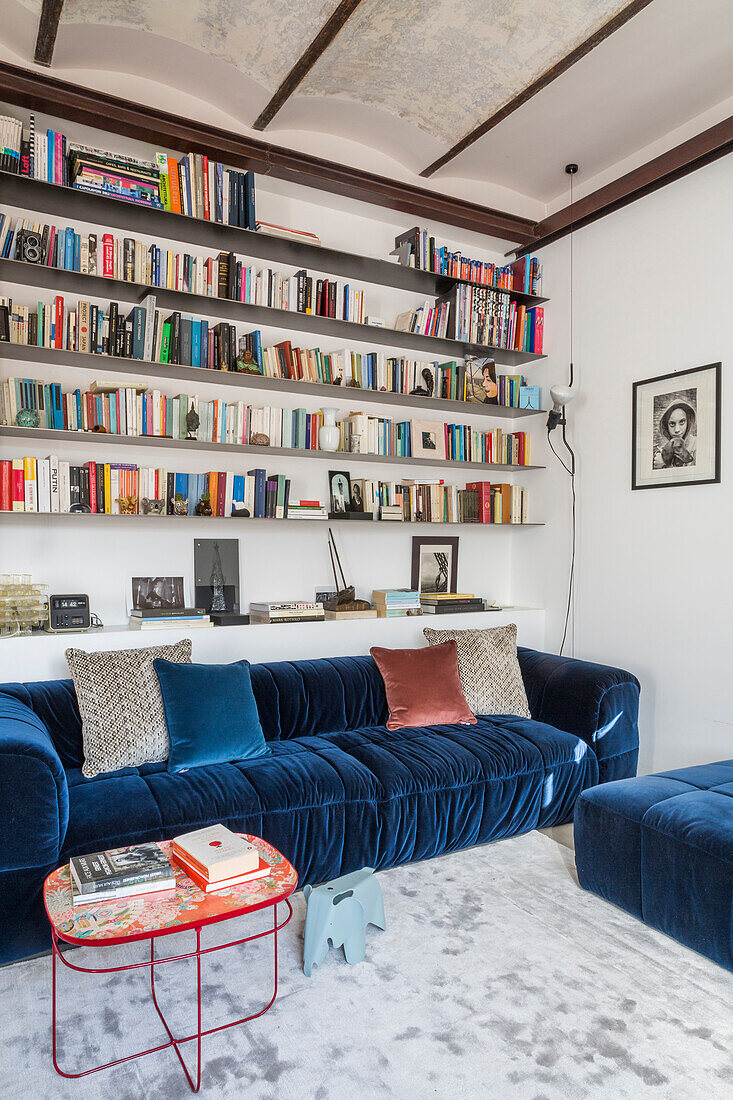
[654, 582]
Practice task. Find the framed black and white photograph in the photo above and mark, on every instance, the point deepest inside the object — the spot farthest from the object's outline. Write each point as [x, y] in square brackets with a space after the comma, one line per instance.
[216, 575]
[339, 485]
[434, 564]
[157, 593]
[675, 438]
[357, 495]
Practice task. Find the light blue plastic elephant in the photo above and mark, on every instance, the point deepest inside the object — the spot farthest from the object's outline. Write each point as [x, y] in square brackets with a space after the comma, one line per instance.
[339, 911]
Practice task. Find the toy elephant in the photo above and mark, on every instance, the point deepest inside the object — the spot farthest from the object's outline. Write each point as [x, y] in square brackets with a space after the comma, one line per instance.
[339, 911]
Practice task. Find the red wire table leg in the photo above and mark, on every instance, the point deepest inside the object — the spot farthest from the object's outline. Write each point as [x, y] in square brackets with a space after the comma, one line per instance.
[197, 1035]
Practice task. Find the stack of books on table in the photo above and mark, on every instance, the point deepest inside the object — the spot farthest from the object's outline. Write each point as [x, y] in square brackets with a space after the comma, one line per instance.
[307, 509]
[396, 603]
[215, 858]
[448, 603]
[169, 618]
[120, 873]
[294, 611]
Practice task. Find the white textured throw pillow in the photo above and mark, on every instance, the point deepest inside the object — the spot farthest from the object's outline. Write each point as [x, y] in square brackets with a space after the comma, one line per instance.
[488, 667]
[123, 722]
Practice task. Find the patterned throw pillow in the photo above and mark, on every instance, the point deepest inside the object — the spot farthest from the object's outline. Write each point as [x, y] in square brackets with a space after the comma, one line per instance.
[123, 722]
[489, 668]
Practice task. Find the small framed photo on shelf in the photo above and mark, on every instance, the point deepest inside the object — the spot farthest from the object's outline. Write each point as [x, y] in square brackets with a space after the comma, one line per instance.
[357, 494]
[339, 485]
[428, 439]
[434, 564]
[482, 385]
[157, 593]
[675, 432]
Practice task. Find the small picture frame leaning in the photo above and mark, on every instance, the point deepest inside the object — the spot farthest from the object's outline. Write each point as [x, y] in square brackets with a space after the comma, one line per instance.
[675, 431]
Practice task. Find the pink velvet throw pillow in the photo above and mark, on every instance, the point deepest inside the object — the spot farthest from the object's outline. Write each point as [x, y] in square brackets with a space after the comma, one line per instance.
[423, 686]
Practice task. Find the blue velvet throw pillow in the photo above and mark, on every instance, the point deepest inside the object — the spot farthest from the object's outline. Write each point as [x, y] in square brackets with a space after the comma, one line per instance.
[210, 712]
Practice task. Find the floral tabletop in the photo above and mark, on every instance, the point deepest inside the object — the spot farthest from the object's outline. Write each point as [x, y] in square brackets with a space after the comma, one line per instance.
[106, 922]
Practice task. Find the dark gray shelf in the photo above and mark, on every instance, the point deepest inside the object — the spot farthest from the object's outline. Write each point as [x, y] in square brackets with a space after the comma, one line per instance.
[55, 200]
[27, 353]
[61, 281]
[266, 453]
[90, 516]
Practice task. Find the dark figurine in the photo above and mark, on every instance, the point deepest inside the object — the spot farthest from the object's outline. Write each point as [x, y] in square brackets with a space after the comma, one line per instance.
[427, 389]
[203, 508]
[239, 510]
[246, 363]
[192, 423]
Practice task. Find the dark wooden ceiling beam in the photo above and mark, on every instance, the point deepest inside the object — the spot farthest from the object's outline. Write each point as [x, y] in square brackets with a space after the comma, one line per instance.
[40, 92]
[536, 86]
[306, 61]
[48, 26]
[698, 151]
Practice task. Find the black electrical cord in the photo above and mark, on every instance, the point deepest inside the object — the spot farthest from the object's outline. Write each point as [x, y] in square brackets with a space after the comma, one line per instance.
[573, 525]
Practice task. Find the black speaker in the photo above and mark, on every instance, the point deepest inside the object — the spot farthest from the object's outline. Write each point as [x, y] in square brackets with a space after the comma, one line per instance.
[30, 247]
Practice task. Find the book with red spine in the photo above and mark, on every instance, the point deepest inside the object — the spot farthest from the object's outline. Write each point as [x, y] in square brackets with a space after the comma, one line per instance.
[92, 468]
[6, 485]
[205, 173]
[483, 488]
[539, 328]
[221, 490]
[59, 322]
[174, 185]
[18, 485]
[207, 887]
[108, 255]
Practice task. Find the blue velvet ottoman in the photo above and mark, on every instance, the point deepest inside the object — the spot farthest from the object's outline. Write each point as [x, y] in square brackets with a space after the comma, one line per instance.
[661, 847]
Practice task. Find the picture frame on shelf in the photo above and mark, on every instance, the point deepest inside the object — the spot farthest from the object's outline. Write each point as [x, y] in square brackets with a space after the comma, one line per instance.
[157, 593]
[483, 388]
[339, 488]
[428, 439]
[434, 564]
[675, 430]
[357, 494]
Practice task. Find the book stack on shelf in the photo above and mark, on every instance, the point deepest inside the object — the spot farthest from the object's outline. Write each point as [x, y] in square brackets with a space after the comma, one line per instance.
[215, 858]
[293, 611]
[188, 618]
[481, 315]
[120, 873]
[416, 248]
[448, 603]
[307, 509]
[396, 603]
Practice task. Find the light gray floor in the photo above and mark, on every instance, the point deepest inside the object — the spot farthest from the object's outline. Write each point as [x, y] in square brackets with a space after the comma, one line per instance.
[497, 978]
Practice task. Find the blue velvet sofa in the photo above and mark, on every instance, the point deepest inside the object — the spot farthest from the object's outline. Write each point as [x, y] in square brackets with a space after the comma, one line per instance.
[337, 791]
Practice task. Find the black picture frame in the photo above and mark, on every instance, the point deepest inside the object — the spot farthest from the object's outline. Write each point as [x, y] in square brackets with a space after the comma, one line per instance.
[649, 437]
[340, 500]
[421, 543]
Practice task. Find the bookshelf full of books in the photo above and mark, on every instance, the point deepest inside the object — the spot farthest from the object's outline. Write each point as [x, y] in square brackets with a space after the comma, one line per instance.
[106, 332]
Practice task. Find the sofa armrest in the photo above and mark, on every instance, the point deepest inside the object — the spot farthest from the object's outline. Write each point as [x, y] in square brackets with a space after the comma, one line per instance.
[597, 703]
[33, 790]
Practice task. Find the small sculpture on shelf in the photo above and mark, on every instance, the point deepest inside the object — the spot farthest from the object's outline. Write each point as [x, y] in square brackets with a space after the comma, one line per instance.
[152, 507]
[427, 389]
[216, 580]
[203, 508]
[239, 511]
[128, 505]
[100, 428]
[246, 363]
[344, 599]
[27, 418]
[259, 439]
[180, 506]
[192, 423]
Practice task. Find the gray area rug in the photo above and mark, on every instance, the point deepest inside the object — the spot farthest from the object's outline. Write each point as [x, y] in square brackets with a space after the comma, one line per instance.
[497, 977]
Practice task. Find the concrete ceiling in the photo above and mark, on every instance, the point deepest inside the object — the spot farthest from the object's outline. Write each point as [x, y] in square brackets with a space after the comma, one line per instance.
[409, 78]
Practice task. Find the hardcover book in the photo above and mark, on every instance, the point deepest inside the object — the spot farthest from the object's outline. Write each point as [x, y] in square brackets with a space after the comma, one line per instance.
[121, 867]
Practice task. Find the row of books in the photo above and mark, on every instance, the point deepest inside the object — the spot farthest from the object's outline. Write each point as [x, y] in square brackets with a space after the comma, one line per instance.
[361, 433]
[192, 618]
[416, 248]
[293, 611]
[483, 316]
[416, 501]
[429, 319]
[193, 185]
[52, 485]
[145, 332]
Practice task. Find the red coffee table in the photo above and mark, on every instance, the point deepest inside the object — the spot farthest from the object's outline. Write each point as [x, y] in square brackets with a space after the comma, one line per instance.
[152, 916]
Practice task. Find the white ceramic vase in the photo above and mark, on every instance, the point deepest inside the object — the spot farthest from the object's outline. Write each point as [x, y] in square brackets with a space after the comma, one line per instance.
[329, 435]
